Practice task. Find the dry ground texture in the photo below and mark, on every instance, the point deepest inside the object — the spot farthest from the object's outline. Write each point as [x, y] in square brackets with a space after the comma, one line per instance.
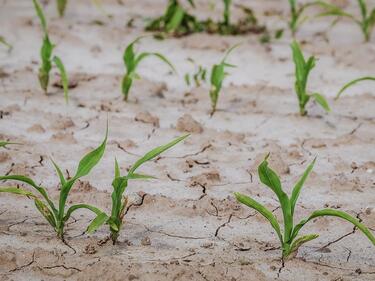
[186, 225]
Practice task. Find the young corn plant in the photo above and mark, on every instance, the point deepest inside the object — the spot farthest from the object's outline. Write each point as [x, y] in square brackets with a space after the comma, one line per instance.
[120, 183]
[302, 71]
[46, 56]
[199, 76]
[131, 61]
[352, 83]
[217, 77]
[57, 215]
[366, 22]
[289, 239]
[296, 15]
[176, 20]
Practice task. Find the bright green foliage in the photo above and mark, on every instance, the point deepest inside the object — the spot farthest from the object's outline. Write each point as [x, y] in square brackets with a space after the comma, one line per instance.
[131, 61]
[5, 143]
[61, 6]
[45, 68]
[366, 22]
[46, 56]
[352, 83]
[58, 216]
[120, 183]
[64, 76]
[199, 76]
[5, 43]
[226, 15]
[296, 13]
[302, 71]
[290, 242]
[217, 77]
[176, 20]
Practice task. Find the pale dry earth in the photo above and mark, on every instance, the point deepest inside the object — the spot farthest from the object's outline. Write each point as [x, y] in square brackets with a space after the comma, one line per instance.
[185, 225]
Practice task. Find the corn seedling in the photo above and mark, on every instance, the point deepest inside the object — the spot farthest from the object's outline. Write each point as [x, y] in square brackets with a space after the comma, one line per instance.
[302, 71]
[352, 83]
[58, 216]
[46, 56]
[199, 76]
[120, 183]
[217, 77]
[5, 43]
[288, 239]
[248, 24]
[366, 22]
[296, 14]
[131, 61]
[176, 20]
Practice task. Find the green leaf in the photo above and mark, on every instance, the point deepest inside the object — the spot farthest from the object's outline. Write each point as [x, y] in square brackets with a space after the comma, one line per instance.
[352, 83]
[81, 206]
[339, 214]
[97, 222]
[5, 143]
[363, 7]
[90, 160]
[301, 240]
[42, 208]
[297, 188]
[39, 12]
[176, 19]
[5, 43]
[59, 173]
[262, 210]
[45, 68]
[61, 6]
[135, 176]
[230, 50]
[160, 56]
[18, 191]
[332, 10]
[63, 75]
[30, 182]
[117, 169]
[321, 100]
[155, 152]
[268, 177]
[127, 82]
[46, 213]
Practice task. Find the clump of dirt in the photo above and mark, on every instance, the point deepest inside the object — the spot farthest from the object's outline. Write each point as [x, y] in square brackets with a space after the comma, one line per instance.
[186, 123]
[146, 117]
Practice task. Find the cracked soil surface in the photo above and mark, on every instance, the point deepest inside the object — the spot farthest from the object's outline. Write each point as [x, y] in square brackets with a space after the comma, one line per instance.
[186, 224]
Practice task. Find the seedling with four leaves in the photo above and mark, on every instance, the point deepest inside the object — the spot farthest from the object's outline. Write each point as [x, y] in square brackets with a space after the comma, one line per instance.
[131, 61]
[46, 56]
[289, 240]
[58, 216]
[120, 183]
[302, 72]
